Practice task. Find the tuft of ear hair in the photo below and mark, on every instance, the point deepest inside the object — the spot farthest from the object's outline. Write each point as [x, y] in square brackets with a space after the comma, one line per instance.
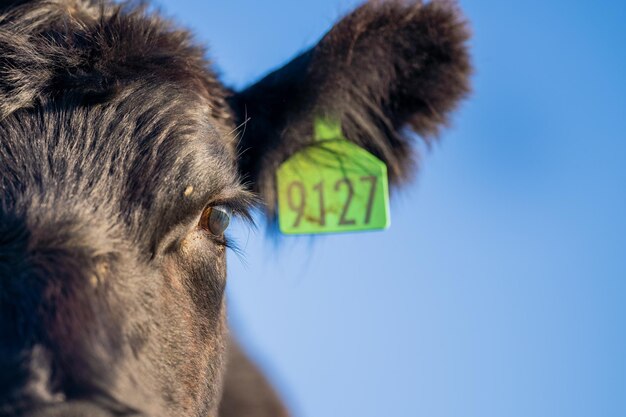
[384, 67]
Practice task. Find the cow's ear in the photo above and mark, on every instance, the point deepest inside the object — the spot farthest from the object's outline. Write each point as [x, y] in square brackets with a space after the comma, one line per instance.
[383, 68]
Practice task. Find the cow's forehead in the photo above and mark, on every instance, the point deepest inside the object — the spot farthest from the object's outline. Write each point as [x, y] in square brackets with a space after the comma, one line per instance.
[112, 106]
[148, 154]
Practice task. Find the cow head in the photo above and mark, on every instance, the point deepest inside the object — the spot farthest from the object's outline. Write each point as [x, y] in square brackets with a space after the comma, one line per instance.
[122, 159]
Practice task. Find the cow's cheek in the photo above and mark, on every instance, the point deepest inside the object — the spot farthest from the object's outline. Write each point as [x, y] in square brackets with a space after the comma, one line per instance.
[193, 300]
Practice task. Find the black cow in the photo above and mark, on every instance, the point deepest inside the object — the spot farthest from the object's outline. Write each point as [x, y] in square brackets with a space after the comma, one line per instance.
[121, 161]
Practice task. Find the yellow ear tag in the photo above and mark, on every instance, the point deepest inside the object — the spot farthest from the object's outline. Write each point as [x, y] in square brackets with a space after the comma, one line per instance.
[332, 186]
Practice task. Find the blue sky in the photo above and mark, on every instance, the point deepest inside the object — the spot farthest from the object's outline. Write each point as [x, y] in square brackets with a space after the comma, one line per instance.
[500, 289]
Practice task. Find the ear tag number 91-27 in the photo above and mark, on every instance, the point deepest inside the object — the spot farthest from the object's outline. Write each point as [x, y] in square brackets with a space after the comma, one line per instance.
[332, 186]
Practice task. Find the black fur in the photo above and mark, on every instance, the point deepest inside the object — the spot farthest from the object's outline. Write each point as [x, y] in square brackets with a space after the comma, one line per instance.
[115, 134]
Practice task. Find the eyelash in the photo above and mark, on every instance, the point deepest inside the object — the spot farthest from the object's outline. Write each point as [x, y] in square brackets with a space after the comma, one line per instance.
[226, 242]
[223, 240]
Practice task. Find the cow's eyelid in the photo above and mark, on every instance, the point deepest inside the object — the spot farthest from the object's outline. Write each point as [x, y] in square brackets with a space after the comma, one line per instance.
[239, 205]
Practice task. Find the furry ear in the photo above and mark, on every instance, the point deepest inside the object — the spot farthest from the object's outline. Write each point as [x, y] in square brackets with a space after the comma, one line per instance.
[386, 66]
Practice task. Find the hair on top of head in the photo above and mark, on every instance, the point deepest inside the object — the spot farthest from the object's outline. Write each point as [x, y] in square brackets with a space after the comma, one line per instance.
[91, 49]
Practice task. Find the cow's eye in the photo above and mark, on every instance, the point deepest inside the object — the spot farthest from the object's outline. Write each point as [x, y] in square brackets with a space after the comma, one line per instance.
[215, 219]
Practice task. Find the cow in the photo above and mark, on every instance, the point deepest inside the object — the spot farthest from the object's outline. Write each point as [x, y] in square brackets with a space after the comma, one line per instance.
[123, 158]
